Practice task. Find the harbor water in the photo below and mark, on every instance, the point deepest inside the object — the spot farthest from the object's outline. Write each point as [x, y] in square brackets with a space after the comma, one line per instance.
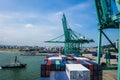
[31, 72]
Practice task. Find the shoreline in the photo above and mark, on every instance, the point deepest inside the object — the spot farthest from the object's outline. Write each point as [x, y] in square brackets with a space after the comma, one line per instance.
[10, 50]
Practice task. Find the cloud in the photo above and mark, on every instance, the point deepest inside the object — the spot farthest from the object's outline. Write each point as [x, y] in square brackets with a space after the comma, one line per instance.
[78, 25]
[59, 13]
[29, 25]
[42, 26]
[14, 27]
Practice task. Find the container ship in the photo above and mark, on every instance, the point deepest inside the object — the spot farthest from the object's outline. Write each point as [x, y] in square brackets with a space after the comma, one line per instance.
[69, 67]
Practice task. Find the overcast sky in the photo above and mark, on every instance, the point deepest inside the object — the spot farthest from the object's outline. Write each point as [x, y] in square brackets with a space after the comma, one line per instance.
[31, 22]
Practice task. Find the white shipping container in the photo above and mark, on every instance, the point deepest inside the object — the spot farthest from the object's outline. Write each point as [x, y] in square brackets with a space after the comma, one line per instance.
[55, 58]
[77, 72]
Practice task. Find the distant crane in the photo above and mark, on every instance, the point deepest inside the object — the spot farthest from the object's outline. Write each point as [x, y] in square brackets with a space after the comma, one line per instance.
[108, 19]
[73, 41]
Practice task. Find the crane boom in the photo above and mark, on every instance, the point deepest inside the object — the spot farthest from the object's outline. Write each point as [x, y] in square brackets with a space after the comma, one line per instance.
[65, 28]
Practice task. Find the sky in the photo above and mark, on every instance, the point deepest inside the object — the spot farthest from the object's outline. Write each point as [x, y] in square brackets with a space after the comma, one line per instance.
[31, 22]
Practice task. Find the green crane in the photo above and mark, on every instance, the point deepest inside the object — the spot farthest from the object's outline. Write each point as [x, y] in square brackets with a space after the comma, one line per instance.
[73, 41]
[108, 19]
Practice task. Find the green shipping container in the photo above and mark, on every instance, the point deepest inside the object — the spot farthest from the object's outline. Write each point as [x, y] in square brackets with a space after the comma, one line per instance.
[57, 65]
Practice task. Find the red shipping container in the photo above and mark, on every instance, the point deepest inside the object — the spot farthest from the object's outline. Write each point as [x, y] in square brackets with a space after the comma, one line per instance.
[90, 67]
[47, 73]
[69, 55]
[46, 59]
[48, 65]
[78, 61]
[69, 58]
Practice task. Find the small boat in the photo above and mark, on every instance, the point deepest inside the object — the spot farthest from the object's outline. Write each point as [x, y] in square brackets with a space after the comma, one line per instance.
[16, 64]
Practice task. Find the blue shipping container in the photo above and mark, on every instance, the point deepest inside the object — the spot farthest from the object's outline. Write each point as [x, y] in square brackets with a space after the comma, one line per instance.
[84, 63]
[43, 65]
[44, 78]
[58, 75]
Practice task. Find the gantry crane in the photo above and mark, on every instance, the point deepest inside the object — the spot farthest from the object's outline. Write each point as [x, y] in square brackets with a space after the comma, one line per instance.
[73, 41]
[108, 18]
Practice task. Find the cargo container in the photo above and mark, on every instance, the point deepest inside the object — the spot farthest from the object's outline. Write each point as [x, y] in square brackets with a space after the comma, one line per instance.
[43, 65]
[110, 56]
[53, 65]
[43, 73]
[44, 78]
[58, 75]
[65, 62]
[46, 59]
[95, 54]
[83, 63]
[48, 65]
[57, 65]
[72, 62]
[97, 70]
[43, 69]
[81, 58]
[62, 66]
[90, 67]
[55, 58]
[47, 73]
[77, 72]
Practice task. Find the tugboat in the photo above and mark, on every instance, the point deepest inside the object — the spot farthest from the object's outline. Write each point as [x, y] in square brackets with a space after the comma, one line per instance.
[16, 64]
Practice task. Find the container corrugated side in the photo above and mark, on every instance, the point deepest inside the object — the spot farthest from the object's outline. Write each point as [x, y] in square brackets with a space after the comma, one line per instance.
[53, 65]
[43, 65]
[48, 65]
[91, 70]
[58, 75]
[77, 72]
[44, 78]
[62, 66]
[43, 69]
[47, 73]
[97, 70]
[83, 63]
[43, 73]
[57, 65]
[72, 62]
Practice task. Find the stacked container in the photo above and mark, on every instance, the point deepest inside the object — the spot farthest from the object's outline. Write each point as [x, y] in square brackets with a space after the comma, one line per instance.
[77, 72]
[62, 66]
[97, 70]
[83, 63]
[54, 65]
[48, 68]
[43, 68]
[58, 75]
[90, 67]
[57, 65]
